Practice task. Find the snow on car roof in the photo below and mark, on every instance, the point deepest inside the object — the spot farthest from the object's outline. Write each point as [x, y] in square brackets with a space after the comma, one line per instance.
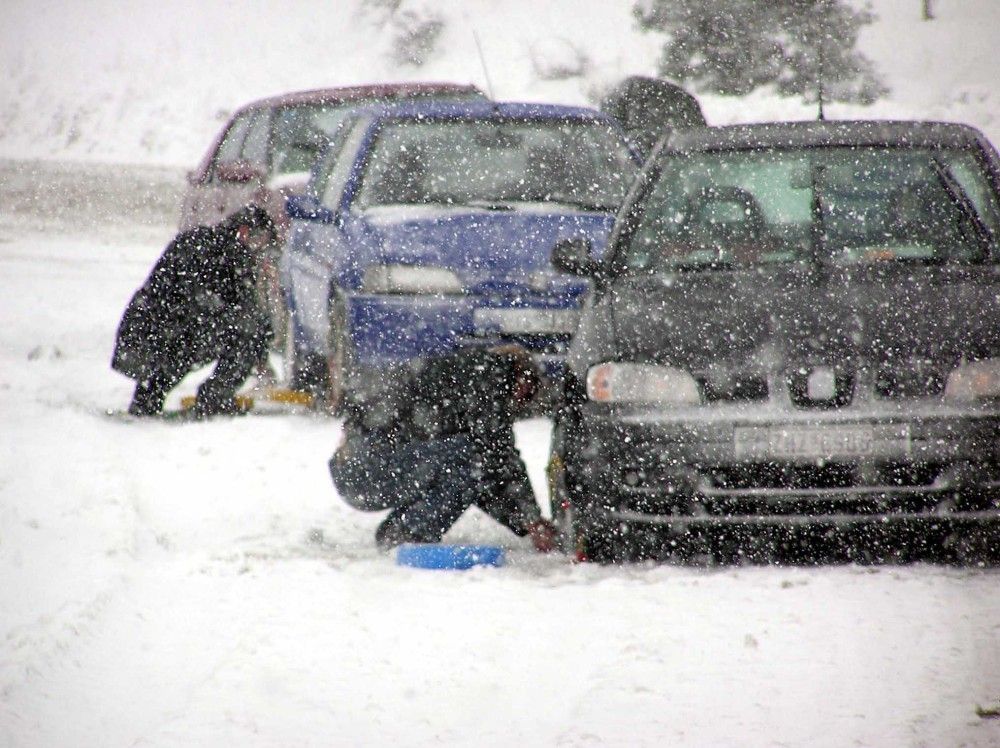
[347, 94]
[825, 133]
[483, 109]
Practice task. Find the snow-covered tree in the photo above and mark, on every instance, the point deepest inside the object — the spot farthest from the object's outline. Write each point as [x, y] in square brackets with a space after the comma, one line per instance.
[732, 47]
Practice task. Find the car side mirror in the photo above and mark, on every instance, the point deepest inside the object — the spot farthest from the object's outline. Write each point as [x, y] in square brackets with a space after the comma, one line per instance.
[238, 171]
[575, 256]
[309, 208]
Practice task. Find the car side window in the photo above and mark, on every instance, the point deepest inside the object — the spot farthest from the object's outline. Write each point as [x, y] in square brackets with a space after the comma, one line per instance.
[255, 146]
[232, 142]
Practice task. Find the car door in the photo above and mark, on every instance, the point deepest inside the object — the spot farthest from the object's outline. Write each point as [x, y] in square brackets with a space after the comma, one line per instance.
[317, 252]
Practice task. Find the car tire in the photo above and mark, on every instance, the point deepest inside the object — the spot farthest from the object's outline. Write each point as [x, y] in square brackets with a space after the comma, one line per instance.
[976, 548]
[582, 537]
[338, 359]
[304, 371]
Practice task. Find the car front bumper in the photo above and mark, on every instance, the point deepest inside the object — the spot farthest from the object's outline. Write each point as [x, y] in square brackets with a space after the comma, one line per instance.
[388, 329]
[692, 470]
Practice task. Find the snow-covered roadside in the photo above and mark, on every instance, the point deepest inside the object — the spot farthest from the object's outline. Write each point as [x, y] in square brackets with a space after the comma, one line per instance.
[157, 588]
[159, 96]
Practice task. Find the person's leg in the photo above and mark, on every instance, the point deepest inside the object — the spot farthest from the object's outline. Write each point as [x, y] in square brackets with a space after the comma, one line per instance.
[151, 390]
[369, 475]
[239, 345]
[443, 488]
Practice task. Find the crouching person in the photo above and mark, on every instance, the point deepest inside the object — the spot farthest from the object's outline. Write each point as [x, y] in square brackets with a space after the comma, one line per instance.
[198, 305]
[440, 441]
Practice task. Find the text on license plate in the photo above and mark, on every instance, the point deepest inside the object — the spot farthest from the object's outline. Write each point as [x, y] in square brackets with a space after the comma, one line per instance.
[805, 441]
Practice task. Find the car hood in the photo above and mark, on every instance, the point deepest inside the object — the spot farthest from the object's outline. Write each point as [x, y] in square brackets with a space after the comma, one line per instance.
[485, 248]
[776, 319]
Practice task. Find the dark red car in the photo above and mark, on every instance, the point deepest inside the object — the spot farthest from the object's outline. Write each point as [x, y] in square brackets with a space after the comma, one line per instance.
[268, 146]
[265, 152]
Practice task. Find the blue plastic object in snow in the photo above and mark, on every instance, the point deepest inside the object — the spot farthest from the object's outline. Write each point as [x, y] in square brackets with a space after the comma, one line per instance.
[436, 556]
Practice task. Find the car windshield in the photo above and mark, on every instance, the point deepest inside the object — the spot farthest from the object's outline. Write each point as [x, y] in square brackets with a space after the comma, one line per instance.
[497, 163]
[839, 205]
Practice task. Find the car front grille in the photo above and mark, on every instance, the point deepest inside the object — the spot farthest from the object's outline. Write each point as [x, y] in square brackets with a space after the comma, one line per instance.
[898, 383]
[843, 387]
[743, 388]
[766, 488]
[803, 395]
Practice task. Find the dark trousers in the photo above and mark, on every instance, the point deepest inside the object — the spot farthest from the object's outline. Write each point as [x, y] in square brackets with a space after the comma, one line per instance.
[426, 484]
[236, 344]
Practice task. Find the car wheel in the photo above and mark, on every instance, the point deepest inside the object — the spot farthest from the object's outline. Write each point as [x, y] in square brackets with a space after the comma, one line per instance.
[582, 537]
[304, 371]
[977, 547]
[338, 360]
[288, 356]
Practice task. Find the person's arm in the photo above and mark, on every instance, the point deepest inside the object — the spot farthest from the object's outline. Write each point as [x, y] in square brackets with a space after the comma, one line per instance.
[506, 493]
[489, 415]
[509, 499]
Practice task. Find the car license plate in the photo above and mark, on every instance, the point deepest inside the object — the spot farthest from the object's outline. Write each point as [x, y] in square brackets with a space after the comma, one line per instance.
[805, 441]
[525, 321]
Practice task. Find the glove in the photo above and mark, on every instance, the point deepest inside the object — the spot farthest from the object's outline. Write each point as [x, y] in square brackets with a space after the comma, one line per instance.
[544, 536]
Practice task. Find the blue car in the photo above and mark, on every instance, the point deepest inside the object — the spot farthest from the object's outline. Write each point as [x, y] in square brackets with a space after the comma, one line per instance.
[426, 227]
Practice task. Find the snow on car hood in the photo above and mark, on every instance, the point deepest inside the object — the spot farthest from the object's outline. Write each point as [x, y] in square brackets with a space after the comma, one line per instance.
[486, 246]
[885, 314]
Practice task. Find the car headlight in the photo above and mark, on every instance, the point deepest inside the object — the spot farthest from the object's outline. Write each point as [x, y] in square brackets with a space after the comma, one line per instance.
[641, 383]
[410, 279]
[974, 380]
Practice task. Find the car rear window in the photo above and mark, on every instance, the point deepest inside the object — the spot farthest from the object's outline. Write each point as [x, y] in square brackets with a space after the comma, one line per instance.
[840, 205]
[300, 131]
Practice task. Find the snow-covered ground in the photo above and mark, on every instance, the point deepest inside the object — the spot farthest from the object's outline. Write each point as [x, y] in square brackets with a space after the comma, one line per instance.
[158, 584]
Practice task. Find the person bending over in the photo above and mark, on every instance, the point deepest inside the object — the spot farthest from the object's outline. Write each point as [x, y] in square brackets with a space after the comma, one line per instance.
[440, 440]
[198, 305]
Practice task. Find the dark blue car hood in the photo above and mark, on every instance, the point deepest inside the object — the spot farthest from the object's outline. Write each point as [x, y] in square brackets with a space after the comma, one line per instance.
[484, 247]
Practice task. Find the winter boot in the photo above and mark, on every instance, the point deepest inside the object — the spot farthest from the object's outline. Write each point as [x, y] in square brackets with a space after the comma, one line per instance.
[147, 400]
[393, 532]
[213, 400]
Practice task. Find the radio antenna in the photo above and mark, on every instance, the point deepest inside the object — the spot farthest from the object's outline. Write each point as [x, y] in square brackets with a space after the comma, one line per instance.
[482, 61]
[819, 93]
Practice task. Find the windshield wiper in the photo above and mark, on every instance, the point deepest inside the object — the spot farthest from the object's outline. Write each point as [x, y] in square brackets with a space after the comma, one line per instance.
[983, 235]
[582, 204]
[469, 202]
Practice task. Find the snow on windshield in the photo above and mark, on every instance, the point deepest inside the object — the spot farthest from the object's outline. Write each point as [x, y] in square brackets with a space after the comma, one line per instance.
[462, 162]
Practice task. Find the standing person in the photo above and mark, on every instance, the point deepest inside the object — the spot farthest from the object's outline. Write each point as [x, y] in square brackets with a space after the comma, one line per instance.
[198, 305]
[440, 441]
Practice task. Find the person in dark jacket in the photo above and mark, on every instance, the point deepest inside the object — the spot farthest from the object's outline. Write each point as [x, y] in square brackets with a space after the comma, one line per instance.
[442, 440]
[198, 305]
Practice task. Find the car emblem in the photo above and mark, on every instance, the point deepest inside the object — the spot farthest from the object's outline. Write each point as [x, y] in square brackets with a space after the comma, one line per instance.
[821, 384]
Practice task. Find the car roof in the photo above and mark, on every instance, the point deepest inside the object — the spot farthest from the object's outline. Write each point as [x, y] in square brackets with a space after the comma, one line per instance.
[482, 109]
[770, 135]
[347, 94]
